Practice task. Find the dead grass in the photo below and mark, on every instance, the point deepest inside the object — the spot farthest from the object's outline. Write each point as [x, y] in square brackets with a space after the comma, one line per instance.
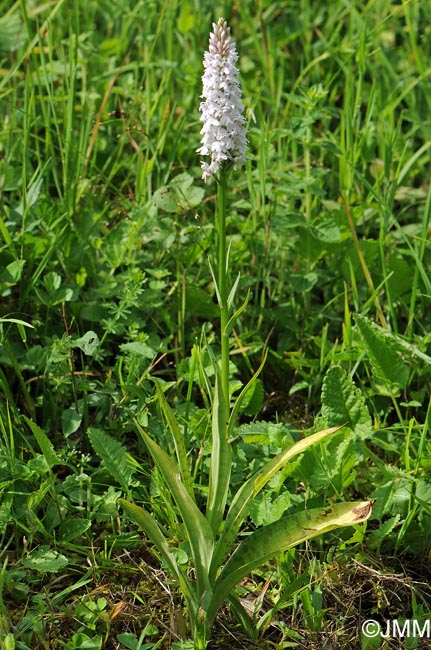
[138, 591]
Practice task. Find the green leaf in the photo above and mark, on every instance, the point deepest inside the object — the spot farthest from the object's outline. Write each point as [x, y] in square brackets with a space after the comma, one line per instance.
[275, 538]
[186, 19]
[178, 439]
[378, 536]
[253, 399]
[150, 527]
[239, 400]
[44, 443]
[17, 321]
[198, 530]
[239, 508]
[12, 273]
[45, 560]
[342, 402]
[5, 510]
[327, 231]
[89, 343]
[12, 33]
[221, 459]
[265, 510]
[114, 456]
[266, 433]
[70, 421]
[70, 529]
[383, 352]
[139, 348]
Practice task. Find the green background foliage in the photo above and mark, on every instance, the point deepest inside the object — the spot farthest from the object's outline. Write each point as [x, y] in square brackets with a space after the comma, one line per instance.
[105, 233]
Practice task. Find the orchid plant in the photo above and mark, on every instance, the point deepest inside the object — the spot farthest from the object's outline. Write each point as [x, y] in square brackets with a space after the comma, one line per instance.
[220, 556]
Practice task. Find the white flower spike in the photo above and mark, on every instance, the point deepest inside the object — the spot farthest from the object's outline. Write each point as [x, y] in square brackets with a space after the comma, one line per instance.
[223, 131]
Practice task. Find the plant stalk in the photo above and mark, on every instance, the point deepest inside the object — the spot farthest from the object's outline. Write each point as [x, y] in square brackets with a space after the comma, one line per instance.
[222, 286]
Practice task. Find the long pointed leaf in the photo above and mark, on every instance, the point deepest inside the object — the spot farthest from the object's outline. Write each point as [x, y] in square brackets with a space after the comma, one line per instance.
[243, 393]
[221, 460]
[150, 528]
[197, 528]
[178, 439]
[270, 540]
[247, 492]
[44, 443]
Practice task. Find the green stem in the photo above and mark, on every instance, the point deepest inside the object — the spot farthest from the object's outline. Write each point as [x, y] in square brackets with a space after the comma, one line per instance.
[222, 285]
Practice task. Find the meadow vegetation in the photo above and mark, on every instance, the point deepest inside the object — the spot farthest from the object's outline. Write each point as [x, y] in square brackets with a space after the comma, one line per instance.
[109, 319]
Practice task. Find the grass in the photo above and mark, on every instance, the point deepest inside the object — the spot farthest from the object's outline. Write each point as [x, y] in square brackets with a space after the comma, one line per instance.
[105, 230]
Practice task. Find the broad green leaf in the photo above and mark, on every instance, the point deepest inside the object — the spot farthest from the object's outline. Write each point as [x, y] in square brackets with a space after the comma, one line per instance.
[264, 509]
[166, 199]
[378, 535]
[72, 528]
[11, 275]
[241, 502]
[150, 527]
[186, 19]
[44, 443]
[45, 560]
[266, 433]
[197, 528]
[383, 352]
[342, 402]
[221, 460]
[70, 421]
[114, 456]
[275, 538]
[139, 348]
[12, 33]
[89, 343]
[178, 439]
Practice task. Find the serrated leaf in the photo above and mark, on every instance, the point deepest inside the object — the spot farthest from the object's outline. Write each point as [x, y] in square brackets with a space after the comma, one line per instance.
[342, 402]
[383, 352]
[265, 510]
[377, 536]
[265, 433]
[114, 456]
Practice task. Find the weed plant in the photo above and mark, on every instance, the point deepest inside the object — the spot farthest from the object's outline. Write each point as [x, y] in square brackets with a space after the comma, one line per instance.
[105, 232]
